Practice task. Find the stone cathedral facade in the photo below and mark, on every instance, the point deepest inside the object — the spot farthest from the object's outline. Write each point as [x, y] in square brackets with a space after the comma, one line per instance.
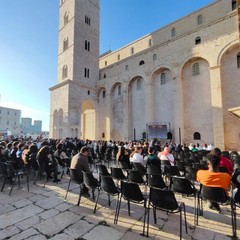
[184, 78]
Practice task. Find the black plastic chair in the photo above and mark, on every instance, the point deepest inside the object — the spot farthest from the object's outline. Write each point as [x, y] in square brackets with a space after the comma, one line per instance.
[154, 169]
[219, 195]
[118, 174]
[140, 168]
[125, 165]
[135, 177]
[75, 178]
[91, 182]
[185, 187]
[102, 170]
[165, 200]
[13, 175]
[108, 186]
[156, 181]
[131, 193]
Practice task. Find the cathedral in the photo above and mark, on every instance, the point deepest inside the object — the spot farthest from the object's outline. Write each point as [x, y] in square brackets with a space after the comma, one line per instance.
[180, 82]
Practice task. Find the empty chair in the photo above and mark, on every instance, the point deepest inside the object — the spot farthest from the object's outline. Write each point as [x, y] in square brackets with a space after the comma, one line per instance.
[185, 187]
[102, 170]
[13, 175]
[108, 186]
[117, 174]
[75, 178]
[91, 182]
[156, 181]
[131, 193]
[165, 200]
[135, 177]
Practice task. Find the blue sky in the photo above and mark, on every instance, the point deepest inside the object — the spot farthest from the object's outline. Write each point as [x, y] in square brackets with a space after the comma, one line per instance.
[29, 43]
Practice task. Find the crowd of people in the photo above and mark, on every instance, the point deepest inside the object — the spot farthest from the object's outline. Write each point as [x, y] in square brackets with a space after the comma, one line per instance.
[216, 167]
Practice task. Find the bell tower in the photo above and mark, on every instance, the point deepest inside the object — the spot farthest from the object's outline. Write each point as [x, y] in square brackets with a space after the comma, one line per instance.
[73, 99]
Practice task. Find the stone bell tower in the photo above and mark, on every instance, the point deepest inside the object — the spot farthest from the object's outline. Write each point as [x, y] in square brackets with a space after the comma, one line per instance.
[73, 98]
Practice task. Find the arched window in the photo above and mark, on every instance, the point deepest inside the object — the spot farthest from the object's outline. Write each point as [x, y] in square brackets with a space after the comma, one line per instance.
[150, 42]
[64, 71]
[173, 32]
[105, 63]
[141, 62]
[132, 50]
[163, 78]
[197, 40]
[139, 84]
[154, 57]
[118, 57]
[103, 93]
[234, 4]
[126, 67]
[119, 89]
[88, 92]
[87, 45]
[238, 60]
[104, 75]
[65, 44]
[195, 69]
[199, 19]
[65, 18]
[197, 136]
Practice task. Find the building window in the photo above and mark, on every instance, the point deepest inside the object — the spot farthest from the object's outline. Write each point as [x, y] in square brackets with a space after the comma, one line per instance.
[197, 136]
[195, 69]
[173, 32]
[163, 78]
[141, 62]
[154, 57]
[65, 18]
[86, 72]
[169, 135]
[87, 20]
[15, 113]
[8, 113]
[88, 92]
[238, 60]
[7, 122]
[119, 90]
[105, 63]
[64, 71]
[139, 84]
[103, 94]
[15, 123]
[199, 19]
[126, 67]
[197, 40]
[150, 42]
[87, 45]
[118, 57]
[65, 44]
[103, 135]
[234, 4]
[132, 50]
[104, 75]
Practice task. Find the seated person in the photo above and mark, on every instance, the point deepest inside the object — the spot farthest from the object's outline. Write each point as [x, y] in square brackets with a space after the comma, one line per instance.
[137, 157]
[213, 178]
[151, 158]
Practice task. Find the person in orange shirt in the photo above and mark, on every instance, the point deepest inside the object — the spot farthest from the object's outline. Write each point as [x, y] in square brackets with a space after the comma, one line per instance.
[213, 178]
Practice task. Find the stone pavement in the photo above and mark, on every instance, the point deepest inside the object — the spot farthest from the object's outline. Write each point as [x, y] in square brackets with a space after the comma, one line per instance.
[42, 213]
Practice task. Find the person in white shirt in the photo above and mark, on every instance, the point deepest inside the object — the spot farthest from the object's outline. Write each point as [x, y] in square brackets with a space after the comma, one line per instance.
[165, 155]
[137, 157]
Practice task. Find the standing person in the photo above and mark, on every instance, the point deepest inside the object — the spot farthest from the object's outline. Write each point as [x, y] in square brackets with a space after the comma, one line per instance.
[80, 163]
[213, 178]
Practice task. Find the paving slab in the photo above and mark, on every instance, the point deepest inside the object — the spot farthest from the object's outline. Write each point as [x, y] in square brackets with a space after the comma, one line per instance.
[57, 223]
[18, 215]
[9, 232]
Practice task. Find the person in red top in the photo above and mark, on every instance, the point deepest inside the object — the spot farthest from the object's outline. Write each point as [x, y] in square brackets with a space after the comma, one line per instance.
[224, 162]
[213, 178]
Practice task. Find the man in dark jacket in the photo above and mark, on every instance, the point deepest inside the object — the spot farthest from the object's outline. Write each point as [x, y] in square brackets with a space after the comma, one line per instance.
[80, 163]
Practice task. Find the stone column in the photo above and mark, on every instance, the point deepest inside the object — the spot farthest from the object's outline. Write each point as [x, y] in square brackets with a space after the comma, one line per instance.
[108, 117]
[125, 113]
[217, 106]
